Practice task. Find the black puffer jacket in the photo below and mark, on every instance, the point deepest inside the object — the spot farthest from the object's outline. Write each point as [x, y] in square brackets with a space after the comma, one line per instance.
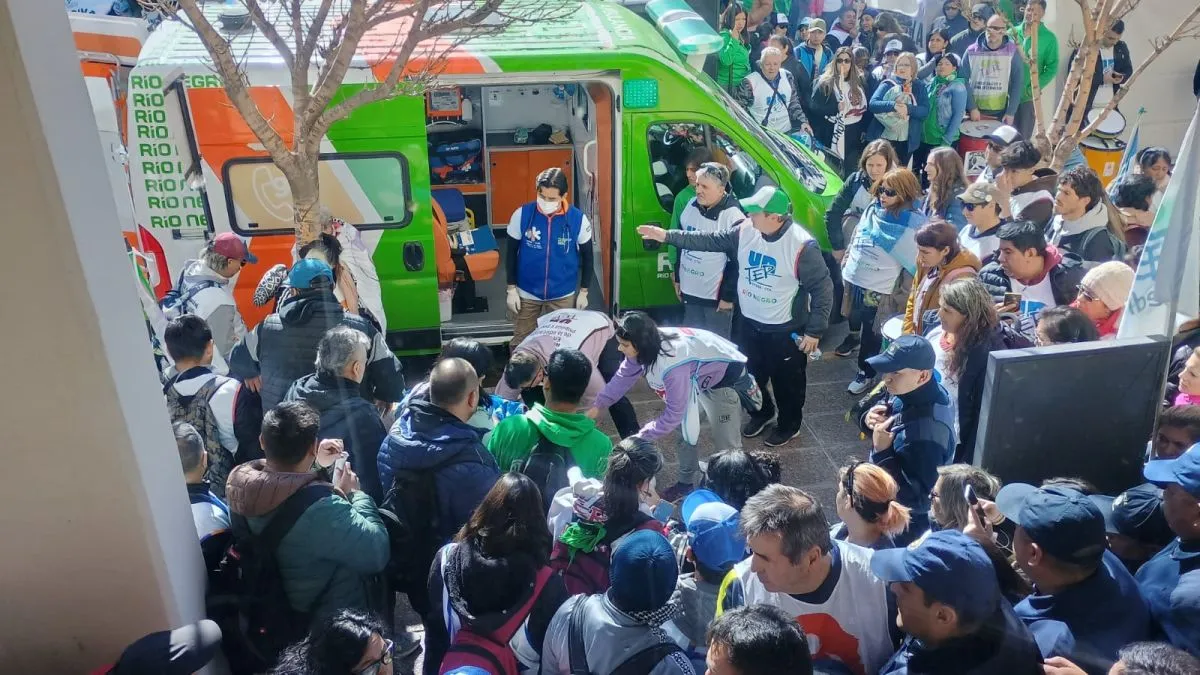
[283, 348]
[481, 591]
[345, 414]
[1065, 275]
[842, 204]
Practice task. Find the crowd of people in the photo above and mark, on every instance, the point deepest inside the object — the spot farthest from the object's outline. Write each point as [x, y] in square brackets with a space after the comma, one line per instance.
[323, 486]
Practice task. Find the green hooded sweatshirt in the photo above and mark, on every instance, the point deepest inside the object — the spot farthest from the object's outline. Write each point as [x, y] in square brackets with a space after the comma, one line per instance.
[1047, 58]
[515, 438]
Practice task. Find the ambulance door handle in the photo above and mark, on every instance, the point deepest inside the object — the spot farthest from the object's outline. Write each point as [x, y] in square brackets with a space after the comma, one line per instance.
[651, 245]
[414, 256]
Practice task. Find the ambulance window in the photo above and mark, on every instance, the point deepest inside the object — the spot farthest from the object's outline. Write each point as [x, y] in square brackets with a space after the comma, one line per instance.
[670, 143]
[367, 190]
[745, 174]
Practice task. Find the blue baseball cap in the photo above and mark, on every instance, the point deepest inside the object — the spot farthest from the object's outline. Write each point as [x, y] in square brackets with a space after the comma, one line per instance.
[1183, 471]
[306, 271]
[1061, 520]
[907, 351]
[1137, 513]
[950, 567]
[712, 529]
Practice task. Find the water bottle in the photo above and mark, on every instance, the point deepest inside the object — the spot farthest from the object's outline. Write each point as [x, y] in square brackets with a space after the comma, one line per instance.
[816, 353]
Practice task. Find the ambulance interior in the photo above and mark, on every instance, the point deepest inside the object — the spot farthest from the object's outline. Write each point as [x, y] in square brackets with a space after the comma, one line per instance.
[487, 145]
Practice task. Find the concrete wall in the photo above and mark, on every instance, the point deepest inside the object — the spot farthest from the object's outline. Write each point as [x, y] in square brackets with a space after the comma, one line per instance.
[98, 542]
[1165, 89]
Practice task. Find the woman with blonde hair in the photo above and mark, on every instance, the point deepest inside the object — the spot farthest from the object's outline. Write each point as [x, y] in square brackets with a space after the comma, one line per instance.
[879, 264]
[839, 108]
[866, 503]
[900, 106]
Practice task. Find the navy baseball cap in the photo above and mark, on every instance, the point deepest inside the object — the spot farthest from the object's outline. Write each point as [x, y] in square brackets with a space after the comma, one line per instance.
[1183, 471]
[949, 567]
[907, 351]
[1137, 513]
[306, 271]
[712, 529]
[1063, 521]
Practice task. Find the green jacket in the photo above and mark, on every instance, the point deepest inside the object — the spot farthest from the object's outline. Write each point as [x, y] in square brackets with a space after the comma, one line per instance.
[515, 438]
[1047, 62]
[334, 545]
[681, 201]
[733, 62]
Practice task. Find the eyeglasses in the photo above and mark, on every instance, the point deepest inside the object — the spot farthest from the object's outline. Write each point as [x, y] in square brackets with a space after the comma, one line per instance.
[374, 667]
[970, 207]
[886, 192]
[995, 29]
[843, 60]
[1086, 293]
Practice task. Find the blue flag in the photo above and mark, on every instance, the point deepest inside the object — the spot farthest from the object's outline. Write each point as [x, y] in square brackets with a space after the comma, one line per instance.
[1131, 150]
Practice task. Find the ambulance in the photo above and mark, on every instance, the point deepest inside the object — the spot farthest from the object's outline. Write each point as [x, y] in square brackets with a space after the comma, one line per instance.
[432, 181]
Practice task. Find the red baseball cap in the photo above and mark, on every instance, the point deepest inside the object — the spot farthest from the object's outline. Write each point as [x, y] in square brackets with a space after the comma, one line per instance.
[231, 246]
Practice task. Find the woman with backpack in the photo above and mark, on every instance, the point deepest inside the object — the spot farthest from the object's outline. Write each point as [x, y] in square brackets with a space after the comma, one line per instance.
[969, 330]
[626, 502]
[494, 586]
[690, 369]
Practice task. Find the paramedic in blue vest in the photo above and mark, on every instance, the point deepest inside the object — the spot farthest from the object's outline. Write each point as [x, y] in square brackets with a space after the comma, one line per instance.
[912, 430]
[549, 255]
[785, 296]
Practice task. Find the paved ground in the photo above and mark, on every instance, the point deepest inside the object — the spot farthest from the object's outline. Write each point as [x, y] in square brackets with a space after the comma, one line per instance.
[810, 461]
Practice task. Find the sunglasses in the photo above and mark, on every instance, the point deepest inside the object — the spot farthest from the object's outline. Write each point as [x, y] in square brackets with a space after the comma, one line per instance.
[994, 29]
[374, 667]
[843, 60]
[886, 192]
[970, 207]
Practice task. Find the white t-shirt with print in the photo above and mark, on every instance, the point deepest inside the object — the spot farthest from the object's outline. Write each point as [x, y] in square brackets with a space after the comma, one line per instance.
[1034, 298]
[1104, 93]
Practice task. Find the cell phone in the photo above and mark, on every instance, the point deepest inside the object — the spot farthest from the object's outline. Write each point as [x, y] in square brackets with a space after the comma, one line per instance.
[339, 467]
[1013, 299]
[969, 493]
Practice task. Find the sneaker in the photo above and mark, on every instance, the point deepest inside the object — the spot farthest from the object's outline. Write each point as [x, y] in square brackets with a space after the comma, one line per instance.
[756, 425]
[780, 436]
[677, 491]
[848, 346]
[861, 383]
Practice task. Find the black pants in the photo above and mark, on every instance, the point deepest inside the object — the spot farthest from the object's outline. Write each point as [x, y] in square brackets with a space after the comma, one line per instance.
[901, 148]
[622, 412]
[774, 358]
[835, 275]
[919, 157]
[853, 145]
[862, 318]
[623, 415]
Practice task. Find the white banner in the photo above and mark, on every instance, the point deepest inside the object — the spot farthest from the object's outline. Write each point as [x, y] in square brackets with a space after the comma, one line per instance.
[1166, 290]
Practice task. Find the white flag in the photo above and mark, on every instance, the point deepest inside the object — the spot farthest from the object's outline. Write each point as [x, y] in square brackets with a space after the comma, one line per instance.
[1166, 289]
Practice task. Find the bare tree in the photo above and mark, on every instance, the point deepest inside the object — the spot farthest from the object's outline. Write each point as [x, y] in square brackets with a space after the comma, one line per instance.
[318, 40]
[1062, 135]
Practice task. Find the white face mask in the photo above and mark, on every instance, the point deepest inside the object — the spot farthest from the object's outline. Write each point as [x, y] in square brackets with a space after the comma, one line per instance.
[547, 205]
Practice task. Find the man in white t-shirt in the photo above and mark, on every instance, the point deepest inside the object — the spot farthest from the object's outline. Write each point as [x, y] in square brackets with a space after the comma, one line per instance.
[1113, 66]
[549, 255]
[981, 207]
[1028, 267]
[826, 585]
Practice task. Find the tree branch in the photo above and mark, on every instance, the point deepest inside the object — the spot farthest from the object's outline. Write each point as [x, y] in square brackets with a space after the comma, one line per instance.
[1188, 28]
[232, 78]
[267, 28]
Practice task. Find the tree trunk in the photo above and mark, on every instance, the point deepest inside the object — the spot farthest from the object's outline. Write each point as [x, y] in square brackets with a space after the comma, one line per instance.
[306, 202]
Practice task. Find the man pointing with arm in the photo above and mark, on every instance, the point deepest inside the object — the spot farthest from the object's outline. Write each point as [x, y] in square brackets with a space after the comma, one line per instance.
[784, 289]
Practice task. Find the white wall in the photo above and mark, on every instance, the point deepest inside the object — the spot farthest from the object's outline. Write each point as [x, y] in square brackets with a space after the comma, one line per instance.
[1165, 89]
[509, 108]
[99, 545]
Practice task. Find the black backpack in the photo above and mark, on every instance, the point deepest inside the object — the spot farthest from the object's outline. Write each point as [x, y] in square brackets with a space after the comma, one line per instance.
[247, 597]
[639, 663]
[411, 513]
[547, 466]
